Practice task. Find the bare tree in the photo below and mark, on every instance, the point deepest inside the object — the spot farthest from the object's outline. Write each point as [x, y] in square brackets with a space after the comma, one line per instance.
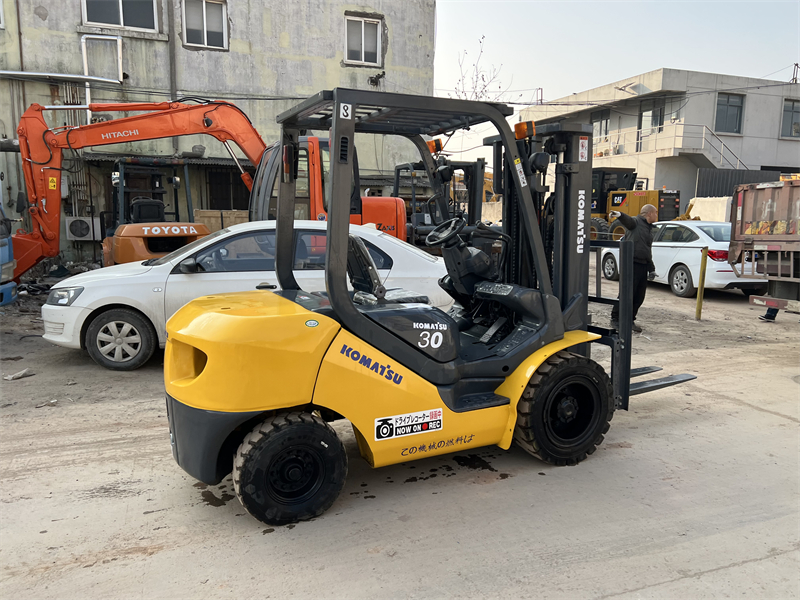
[477, 82]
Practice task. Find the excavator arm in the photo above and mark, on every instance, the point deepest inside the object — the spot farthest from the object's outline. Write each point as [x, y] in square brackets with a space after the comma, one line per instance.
[42, 154]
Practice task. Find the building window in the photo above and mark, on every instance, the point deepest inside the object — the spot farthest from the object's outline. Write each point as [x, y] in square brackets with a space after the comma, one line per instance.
[729, 113]
[651, 116]
[791, 119]
[600, 120]
[363, 41]
[2, 20]
[132, 14]
[204, 23]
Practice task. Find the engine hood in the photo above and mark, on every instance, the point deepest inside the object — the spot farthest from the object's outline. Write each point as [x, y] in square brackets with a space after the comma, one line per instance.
[106, 275]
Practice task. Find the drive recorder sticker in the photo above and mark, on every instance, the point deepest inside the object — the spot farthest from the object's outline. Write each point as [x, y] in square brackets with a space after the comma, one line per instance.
[411, 424]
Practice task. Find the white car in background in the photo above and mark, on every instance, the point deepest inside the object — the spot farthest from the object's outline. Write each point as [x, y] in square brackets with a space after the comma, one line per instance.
[119, 314]
[677, 250]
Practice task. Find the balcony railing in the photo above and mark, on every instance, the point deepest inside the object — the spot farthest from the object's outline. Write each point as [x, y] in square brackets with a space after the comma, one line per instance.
[668, 137]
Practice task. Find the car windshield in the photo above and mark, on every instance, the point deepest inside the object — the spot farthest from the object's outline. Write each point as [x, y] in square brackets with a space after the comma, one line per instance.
[187, 249]
[408, 247]
[718, 233]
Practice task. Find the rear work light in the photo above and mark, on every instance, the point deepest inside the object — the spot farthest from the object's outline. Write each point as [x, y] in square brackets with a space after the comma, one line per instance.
[718, 255]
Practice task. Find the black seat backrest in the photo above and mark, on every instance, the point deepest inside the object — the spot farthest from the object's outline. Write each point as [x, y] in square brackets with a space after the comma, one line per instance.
[147, 210]
[360, 267]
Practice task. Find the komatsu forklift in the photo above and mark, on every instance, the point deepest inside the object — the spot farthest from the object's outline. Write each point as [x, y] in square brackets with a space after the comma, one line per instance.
[253, 379]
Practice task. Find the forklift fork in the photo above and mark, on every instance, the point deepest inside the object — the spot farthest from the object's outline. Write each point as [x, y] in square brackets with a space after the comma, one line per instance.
[620, 341]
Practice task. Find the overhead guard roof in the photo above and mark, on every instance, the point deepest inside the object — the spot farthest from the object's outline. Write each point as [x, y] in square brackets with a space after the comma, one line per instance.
[384, 112]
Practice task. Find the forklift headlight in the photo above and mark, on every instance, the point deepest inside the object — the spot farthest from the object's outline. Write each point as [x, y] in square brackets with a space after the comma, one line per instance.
[64, 296]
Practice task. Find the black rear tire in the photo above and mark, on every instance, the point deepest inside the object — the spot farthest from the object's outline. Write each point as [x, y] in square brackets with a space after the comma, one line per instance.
[121, 339]
[290, 468]
[598, 229]
[565, 410]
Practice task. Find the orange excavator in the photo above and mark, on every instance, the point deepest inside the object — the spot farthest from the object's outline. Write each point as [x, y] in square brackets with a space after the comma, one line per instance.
[42, 150]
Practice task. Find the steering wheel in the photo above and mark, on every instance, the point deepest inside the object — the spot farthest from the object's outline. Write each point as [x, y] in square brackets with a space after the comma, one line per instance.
[445, 232]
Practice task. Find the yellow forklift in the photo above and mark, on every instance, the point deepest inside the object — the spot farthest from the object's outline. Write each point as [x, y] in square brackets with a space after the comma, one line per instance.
[614, 188]
[253, 379]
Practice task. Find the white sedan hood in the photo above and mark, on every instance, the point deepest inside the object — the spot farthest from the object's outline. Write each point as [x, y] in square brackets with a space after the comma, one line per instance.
[106, 275]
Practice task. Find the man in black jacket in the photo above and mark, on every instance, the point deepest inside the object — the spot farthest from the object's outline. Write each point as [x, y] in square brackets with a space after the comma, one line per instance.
[640, 230]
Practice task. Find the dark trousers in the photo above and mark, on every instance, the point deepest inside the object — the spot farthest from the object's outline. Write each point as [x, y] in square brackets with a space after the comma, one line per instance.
[639, 290]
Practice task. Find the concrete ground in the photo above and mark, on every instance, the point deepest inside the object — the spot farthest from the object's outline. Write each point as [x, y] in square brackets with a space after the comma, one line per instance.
[693, 494]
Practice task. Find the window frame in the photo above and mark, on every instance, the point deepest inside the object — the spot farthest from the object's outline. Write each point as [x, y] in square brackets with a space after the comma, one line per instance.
[87, 22]
[211, 248]
[601, 117]
[225, 40]
[363, 20]
[728, 105]
[2, 17]
[795, 101]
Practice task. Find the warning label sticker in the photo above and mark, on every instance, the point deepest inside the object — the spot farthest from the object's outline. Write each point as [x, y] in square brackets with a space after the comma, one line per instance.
[520, 172]
[583, 148]
[409, 424]
[52, 183]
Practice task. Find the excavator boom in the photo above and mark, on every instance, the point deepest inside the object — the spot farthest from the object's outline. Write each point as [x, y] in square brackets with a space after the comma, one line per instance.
[42, 155]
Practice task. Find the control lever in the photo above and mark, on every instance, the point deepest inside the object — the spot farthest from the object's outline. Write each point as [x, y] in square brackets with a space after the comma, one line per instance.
[492, 330]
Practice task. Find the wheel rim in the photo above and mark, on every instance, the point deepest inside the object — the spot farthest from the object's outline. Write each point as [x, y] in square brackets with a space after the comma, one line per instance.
[119, 341]
[572, 412]
[680, 280]
[609, 268]
[295, 475]
[592, 232]
[617, 233]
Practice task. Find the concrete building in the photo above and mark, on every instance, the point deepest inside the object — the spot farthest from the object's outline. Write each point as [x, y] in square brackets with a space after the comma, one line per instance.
[671, 125]
[262, 55]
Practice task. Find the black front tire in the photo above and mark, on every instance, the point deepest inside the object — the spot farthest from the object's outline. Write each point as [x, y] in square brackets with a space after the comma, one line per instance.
[610, 270]
[121, 339]
[565, 410]
[290, 468]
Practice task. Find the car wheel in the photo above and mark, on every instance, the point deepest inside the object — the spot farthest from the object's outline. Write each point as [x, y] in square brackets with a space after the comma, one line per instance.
[680, 281]
[120, 339]
[610, 271]
[290, 468]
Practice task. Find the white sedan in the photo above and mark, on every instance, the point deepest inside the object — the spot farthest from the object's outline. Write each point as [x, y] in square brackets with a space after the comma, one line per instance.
[677, 247]
[119, 314]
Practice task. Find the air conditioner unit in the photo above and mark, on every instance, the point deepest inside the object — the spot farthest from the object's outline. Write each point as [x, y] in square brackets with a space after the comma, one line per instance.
[79, 229]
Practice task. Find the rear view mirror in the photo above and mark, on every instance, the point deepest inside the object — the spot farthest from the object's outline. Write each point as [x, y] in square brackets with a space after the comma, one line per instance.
[188, 265]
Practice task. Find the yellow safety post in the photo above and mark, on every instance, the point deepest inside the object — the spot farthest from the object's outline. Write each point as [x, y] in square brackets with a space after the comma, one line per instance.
[701, 285]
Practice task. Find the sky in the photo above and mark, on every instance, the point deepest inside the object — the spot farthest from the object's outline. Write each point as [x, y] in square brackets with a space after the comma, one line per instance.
[566, 47]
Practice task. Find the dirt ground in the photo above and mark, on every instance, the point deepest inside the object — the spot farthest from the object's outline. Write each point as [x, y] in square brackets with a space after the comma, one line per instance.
[694, 493]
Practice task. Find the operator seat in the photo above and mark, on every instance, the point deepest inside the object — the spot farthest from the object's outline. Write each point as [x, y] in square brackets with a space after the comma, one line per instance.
[369, 290]
[147, 210]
